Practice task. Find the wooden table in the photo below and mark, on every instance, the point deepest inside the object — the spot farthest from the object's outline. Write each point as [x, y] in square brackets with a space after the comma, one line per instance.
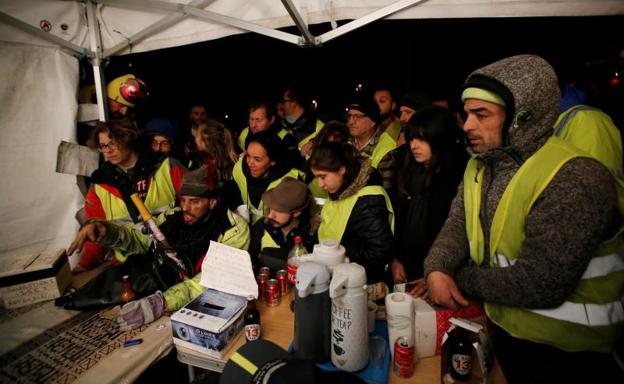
[45, 343]
[278, 327]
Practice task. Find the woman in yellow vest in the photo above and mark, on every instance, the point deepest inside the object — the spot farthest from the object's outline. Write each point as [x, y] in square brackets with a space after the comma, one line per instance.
[263, 167]
[358, 213]
[155, 178]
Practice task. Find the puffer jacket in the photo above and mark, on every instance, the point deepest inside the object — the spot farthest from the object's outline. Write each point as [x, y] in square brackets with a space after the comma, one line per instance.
[576, 211]
[368, 238]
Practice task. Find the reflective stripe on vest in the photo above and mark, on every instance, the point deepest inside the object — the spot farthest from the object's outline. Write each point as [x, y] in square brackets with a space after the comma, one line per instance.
[335, 213]
[160, 196]
[241, 181]
[394, 129]
[589, 318]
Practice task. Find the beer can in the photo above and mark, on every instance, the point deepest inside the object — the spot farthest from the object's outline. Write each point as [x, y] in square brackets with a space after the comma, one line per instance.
[282, 279]
[272, 294]
[266, 270]
[261, 279]
[404, 351]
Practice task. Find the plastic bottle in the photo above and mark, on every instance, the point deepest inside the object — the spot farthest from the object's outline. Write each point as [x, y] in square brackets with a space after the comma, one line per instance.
[460, 352]
[252, 321]
[294, 259]
[127, 294]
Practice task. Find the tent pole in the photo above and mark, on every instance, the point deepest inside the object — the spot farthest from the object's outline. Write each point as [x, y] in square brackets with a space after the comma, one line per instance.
[96, 48]
[373, 16]
[299, 22]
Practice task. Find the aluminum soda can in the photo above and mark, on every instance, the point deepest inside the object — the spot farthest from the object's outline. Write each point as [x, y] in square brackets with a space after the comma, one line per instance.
[404, 351]
[282, 279]
[272, 294]
[261, 279]
[266, 270]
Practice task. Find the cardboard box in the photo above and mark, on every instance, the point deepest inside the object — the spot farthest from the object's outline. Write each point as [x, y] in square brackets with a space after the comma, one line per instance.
[30, 279]
[430, 324]
[209, 323]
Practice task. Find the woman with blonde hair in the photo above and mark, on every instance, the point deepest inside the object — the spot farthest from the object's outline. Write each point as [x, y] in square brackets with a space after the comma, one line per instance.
[215, 149]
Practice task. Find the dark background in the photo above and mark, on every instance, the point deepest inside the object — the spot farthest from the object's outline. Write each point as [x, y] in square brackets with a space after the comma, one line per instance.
[434, 55]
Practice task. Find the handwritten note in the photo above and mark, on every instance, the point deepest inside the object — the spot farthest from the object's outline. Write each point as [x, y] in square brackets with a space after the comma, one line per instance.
[229, 270]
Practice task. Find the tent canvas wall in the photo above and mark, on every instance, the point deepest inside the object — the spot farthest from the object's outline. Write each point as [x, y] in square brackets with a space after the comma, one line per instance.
[39, 75]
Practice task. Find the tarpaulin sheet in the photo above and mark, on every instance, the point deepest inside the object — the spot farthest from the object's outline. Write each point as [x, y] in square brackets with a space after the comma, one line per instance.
[38, 87]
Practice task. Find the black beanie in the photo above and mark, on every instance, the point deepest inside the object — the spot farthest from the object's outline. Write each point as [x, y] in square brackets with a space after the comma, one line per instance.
[367, 106]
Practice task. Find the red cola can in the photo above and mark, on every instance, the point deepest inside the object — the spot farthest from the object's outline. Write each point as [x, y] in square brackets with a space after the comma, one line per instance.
[404, 351]
[266, 270]
[261, 279]
[272, 294]
[282, 278]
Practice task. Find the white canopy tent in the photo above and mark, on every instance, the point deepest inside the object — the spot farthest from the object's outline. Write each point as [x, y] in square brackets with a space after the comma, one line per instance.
[39, 75]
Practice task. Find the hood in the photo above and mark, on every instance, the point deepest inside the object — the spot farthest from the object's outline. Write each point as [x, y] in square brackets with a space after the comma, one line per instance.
[533, 85]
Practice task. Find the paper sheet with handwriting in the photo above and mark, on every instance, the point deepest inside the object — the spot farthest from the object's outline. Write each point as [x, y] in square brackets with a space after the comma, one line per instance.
[229, 270]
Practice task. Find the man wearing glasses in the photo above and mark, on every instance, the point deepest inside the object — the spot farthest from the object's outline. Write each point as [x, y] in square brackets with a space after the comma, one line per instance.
[363, 117]
[124, 172]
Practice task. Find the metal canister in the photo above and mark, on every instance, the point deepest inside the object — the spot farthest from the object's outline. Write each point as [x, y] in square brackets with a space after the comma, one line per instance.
[266, 270]
[261, 279]
[282, 279]
[272, 294]
[404, 351]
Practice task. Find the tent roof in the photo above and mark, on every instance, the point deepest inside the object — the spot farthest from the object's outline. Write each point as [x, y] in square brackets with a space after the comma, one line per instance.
[142, 25]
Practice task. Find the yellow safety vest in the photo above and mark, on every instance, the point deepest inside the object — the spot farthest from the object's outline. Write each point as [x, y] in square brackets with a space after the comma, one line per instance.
[394, 129]
[160, 197]
[591, 315]
[593, 131]
[384, 145]
[245, 132]
[320, 195]
[267, 241]
[241, 181]
[335, 213]
[317, 129]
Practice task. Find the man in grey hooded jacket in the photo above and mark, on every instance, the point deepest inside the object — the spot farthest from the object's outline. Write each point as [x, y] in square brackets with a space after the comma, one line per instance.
[534, 232]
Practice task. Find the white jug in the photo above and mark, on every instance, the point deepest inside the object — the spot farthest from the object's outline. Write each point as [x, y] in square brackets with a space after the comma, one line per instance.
[349, 325]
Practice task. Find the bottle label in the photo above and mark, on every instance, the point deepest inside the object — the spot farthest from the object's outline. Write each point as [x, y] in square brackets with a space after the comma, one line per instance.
[292, 272]
[252, 332]
[462, 364]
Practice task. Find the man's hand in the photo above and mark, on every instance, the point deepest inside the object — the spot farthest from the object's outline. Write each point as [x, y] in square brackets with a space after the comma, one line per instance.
[398, 272]
[139, 312]
[417, 288]
[94, 231]
[307, 148]
[444, 291]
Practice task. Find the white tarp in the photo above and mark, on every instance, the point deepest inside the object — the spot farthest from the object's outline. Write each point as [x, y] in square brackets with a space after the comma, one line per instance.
[38, 92]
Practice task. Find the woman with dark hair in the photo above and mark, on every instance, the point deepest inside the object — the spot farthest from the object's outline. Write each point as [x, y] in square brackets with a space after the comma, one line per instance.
[263, 167]
[358, 212]
[124, 172]
[429, 168]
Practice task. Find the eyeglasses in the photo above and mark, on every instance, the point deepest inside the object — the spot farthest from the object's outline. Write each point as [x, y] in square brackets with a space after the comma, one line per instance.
[354, 116]
[161, 144]
[109, 146]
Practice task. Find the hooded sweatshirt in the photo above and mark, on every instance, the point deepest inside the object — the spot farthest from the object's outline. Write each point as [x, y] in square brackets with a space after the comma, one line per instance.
[574, 213]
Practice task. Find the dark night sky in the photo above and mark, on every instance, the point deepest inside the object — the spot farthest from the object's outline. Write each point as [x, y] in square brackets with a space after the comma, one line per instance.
[433, 55]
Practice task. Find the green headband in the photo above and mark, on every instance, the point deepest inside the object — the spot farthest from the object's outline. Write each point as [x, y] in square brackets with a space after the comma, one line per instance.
[482, 94]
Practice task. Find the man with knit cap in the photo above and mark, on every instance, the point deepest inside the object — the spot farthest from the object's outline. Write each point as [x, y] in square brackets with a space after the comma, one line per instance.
[540, 223]
[290, 211]
[363, 117]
